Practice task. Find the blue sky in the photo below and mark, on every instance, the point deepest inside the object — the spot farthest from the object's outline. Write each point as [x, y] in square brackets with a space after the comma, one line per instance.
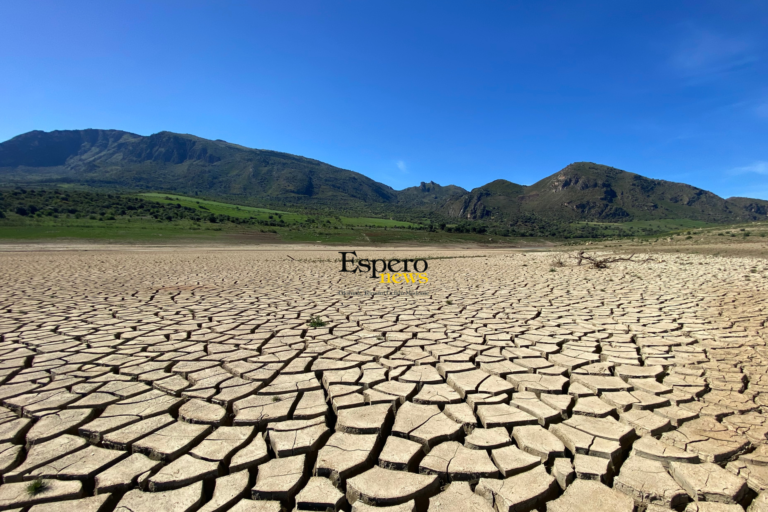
[404, 91]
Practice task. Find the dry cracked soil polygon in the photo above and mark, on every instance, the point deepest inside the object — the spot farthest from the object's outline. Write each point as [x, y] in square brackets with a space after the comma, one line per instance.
[191, 379]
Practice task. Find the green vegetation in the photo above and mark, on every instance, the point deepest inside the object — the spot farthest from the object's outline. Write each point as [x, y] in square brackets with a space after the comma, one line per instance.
[372, 222]
[219, 208]
[79, 205]
[271, 217]
[70, 213]
[665, 224]
[315, 322]
[119, 231]
[177, 186]
[270, 188]
[188, 165]
[588, 191]
[36, 487]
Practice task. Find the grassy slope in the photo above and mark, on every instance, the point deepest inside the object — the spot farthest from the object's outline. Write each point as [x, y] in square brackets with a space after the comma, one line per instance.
[296, 228]
[363, 230]
[234, 210]
[21, 229]
[381, 236]
[126, 230]
[660, 224]
[145, 230]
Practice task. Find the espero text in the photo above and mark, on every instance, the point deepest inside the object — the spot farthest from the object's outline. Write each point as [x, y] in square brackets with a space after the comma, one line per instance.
[379, 266]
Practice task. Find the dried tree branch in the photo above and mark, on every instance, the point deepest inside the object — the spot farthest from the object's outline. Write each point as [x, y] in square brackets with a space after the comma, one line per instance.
[599, 263]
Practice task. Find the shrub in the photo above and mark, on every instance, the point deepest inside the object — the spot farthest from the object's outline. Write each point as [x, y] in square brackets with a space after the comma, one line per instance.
[36, 487]
[315, 321]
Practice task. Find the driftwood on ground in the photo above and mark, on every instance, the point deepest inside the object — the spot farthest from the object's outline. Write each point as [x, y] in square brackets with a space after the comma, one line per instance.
[602, 262]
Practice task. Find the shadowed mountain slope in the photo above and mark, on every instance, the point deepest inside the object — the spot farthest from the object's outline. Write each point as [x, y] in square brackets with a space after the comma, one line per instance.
[191, 165]
[183, 164]
[586, 190]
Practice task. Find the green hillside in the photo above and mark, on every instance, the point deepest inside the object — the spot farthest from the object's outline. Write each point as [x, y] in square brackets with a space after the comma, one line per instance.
[183, 164]
[210, 173]
[587, 191]
[67, 213]
[755, 206]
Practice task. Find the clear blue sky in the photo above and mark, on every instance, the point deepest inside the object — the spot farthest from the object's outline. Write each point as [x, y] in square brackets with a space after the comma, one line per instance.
[404, 91]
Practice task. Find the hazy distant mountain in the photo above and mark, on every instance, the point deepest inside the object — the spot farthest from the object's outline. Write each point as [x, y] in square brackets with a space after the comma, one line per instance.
[191, 165]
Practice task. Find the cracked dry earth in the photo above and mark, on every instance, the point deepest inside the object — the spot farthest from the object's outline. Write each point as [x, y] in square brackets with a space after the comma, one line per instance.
[191, 380]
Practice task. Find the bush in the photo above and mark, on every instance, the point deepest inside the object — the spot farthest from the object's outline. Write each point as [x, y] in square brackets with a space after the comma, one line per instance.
[315, 321]
[36, 487]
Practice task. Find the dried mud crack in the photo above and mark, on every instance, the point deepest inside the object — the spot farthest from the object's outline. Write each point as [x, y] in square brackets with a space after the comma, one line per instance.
[243, 380]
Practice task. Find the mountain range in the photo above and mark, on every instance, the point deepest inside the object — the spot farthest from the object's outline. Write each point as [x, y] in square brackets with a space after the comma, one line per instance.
[190, 165]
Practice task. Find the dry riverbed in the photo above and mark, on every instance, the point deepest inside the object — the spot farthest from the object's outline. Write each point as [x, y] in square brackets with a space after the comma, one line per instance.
[261, 379]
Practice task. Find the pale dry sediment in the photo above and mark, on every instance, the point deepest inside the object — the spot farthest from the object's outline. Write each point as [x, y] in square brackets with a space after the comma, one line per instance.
[192, 378]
